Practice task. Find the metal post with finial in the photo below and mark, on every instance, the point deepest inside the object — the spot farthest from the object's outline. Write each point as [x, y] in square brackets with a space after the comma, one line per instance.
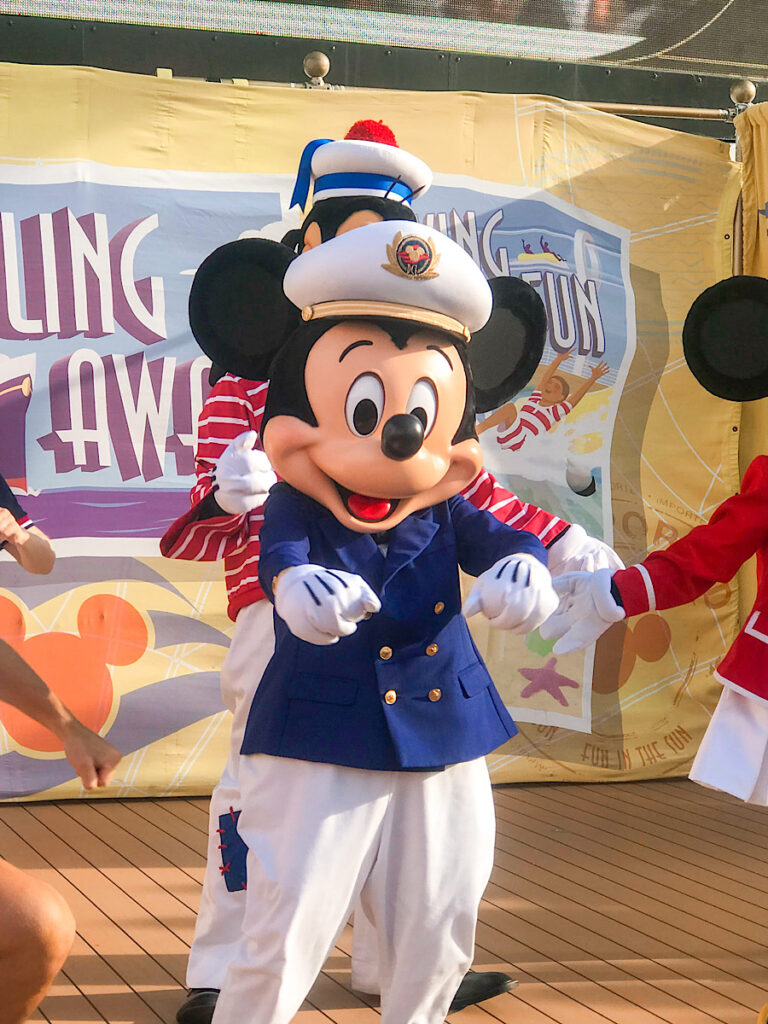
[316, 66]
[743, 93]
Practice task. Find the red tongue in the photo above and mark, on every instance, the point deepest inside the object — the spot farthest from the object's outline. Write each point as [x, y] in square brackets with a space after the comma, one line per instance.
[371, 509]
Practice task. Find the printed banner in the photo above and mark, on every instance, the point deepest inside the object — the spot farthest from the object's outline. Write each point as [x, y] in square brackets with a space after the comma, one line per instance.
[552, 445]
[617, 225]
[100, 421]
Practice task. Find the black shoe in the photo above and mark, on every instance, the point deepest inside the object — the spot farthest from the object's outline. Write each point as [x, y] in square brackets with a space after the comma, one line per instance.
[198, 1007]
[478, 986]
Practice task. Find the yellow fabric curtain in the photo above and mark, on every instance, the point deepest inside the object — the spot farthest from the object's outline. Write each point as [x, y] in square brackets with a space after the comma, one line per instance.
[619, 224]
[752, 130]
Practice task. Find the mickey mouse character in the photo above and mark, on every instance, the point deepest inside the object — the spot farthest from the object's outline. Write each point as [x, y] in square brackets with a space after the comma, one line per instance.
[363, 179]
[365, 742]
[724, 345]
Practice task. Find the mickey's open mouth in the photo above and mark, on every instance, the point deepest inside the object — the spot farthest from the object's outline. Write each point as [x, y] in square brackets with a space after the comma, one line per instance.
[365, 508]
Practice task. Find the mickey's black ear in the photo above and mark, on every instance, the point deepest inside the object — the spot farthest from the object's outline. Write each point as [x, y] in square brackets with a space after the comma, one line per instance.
[725, 339]
[237, 309]
[505, 353]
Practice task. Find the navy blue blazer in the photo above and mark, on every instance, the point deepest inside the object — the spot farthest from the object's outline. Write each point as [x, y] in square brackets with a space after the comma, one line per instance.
[408, 690]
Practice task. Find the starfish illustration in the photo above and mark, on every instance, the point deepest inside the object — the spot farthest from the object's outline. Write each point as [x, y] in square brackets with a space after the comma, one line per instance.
[549, 680]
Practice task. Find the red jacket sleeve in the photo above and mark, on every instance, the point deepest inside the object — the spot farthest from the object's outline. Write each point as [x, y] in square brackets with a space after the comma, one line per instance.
[233, 406]
[487, 494]
[709, 554]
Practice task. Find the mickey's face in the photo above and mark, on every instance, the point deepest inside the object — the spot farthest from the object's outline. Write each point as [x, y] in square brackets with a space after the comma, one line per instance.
[386, 418]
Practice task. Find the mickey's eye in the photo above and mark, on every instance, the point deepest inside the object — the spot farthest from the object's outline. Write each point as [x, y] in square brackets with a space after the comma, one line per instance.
[422, 403]
[364, 405]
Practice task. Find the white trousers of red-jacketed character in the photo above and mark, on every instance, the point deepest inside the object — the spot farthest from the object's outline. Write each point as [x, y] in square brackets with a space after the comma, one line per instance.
[416, 848]
[733, 755]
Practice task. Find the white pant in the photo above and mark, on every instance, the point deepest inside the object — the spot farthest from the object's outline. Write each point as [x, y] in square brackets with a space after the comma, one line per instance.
[321, 836]
[220, 918]
[733, 755]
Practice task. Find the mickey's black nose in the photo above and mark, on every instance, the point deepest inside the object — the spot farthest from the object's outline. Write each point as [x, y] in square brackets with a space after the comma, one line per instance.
[402, 436]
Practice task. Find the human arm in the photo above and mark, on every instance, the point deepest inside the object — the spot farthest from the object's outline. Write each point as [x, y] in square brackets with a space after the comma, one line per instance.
[27, 544]
[92, 757]
[598, 371]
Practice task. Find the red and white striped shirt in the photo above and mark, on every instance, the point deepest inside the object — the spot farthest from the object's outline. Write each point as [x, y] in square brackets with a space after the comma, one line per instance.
[236, 405]
[533, 419]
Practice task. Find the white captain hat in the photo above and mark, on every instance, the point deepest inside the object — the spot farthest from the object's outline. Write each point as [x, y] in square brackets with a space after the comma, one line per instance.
[367, 162]
[397, 269]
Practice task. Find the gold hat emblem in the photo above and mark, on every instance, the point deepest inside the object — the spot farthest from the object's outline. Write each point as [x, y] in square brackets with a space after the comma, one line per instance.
[412, 257]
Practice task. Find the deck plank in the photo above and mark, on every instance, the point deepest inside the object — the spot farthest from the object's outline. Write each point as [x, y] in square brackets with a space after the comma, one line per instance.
[617, 859]
[641, 903]
[108, 958]
[564, 816]
[618, 901]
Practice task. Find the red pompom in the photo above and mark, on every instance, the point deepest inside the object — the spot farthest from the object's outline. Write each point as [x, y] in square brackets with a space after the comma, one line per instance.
[372, 131]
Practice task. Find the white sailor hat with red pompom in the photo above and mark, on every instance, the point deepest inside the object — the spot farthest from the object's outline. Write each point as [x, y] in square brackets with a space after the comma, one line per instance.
[367, 162]
[393, 269]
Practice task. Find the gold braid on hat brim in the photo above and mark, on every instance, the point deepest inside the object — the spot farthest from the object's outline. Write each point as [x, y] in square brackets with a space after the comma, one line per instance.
[395, 310]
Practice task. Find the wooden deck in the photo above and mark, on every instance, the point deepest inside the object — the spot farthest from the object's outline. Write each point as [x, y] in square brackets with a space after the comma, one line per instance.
[625, 904]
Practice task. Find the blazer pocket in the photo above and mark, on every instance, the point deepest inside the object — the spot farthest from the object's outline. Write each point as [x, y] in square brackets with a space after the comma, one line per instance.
[324, 689]
[474, 679]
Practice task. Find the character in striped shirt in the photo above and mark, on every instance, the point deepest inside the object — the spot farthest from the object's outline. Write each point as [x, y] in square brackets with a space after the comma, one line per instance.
[547, 406]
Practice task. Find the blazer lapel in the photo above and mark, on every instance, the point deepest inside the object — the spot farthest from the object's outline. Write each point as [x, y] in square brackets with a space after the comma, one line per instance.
[407, 541]
[358, 552]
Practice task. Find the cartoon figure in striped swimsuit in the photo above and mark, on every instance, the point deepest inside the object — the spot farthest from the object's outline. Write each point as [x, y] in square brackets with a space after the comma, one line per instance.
[547, 406]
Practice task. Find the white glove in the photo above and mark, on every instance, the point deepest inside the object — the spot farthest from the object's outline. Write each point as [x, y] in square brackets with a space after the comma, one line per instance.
[586, 610]
[576, 551]
[320, 605]
[515, 594]
[243, 476]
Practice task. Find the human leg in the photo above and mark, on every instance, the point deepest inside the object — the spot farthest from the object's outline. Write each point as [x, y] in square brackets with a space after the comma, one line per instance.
[312, 831]
[36, 933]
[425, 888]
[219, 920]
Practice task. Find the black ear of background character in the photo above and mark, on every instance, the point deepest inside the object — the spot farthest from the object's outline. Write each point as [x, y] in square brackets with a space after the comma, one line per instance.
[238, 312]
[725, 339]
[505, 353]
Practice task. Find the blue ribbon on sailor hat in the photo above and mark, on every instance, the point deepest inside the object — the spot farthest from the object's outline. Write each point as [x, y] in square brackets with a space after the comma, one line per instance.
[304, 175]
[361, 180]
